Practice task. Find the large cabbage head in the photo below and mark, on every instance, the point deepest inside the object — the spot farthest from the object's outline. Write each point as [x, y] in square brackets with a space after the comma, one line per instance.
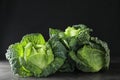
[34, 57]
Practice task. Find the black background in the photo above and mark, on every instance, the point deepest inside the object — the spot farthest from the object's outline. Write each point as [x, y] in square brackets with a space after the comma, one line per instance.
[20, 17]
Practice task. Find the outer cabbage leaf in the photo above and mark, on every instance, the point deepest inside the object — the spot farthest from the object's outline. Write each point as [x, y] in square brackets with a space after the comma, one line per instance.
[68, 66]
[103, 46]
[58, 35]
[59, 51]
[14, 54]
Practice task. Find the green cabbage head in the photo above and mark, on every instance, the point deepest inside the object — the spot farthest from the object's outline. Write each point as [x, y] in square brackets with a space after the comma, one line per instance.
[32, 56]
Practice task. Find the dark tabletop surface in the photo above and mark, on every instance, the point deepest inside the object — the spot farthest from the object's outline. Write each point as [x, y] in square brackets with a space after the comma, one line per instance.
[112, 74]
